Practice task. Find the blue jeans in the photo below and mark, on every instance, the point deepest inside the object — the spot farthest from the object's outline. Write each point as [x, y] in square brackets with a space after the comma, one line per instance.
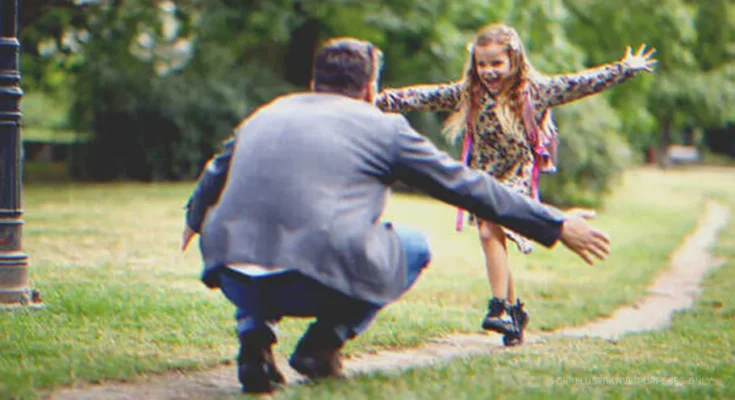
[268, 298]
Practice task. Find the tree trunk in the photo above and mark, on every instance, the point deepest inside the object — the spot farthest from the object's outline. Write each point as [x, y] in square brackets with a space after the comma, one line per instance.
[300, 53]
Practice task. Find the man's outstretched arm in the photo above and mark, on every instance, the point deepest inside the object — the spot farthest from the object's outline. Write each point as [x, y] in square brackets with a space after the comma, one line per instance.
[420, 164]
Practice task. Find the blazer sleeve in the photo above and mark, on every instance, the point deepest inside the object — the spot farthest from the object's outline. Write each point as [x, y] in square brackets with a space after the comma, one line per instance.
[418, 163]
[209, 186]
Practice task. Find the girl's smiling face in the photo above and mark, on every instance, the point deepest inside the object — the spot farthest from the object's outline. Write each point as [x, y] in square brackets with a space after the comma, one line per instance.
[492, 63]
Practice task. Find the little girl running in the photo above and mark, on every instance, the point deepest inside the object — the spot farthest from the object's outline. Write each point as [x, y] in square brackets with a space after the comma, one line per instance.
[502, 106]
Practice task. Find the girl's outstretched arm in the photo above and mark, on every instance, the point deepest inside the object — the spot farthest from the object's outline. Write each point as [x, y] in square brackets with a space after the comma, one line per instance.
[561, 89]
[434, 97]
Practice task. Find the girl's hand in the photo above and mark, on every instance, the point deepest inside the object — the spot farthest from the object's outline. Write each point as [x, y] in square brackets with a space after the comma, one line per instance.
[642, 60]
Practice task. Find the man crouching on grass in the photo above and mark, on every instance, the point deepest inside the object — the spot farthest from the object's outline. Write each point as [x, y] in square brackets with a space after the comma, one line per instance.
[296, 227]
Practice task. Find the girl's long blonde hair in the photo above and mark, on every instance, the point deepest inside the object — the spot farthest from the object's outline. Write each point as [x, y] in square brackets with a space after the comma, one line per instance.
[514, 92]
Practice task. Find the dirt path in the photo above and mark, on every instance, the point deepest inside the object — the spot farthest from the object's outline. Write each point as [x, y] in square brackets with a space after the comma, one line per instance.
[674, 290]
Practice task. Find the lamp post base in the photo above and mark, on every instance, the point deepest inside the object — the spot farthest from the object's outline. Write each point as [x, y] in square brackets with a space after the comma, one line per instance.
[14, 289]
[12, 300]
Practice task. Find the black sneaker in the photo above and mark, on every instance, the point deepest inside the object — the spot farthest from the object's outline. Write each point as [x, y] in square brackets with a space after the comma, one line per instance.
[520, 321]
[317, 355]
[256, 368]
[497, 318]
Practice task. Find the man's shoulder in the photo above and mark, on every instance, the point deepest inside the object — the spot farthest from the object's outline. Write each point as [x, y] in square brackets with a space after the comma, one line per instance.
[310, 107]
[303, 98]
[335, 103]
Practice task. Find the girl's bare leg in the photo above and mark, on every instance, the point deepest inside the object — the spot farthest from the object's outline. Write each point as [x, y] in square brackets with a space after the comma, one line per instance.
[503, 316]
[492, 239]
[511, 288]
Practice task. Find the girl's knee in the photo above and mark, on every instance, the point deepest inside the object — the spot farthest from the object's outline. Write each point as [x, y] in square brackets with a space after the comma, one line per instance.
[490, 232]
[485, 232]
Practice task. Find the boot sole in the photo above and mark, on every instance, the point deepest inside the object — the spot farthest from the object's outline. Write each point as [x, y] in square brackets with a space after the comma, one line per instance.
[498, 328]
[309, 368]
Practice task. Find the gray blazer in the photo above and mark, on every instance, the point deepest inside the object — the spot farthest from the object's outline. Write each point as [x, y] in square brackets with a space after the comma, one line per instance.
[305, 184]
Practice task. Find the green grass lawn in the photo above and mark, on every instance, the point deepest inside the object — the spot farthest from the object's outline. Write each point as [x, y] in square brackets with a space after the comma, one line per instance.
[121, 300]
[693, 359]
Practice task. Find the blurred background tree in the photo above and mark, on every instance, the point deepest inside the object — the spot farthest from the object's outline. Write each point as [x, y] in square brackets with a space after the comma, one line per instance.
[154, 86]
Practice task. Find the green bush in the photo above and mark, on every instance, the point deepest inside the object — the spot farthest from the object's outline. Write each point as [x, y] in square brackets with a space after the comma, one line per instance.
[592, 155]
[148, 126]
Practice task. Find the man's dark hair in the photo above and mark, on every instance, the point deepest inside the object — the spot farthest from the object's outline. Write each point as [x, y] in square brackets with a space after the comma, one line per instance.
[346, 66]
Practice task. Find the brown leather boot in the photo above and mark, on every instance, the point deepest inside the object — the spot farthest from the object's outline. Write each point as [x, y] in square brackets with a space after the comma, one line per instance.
[317, 353]
[256, 368]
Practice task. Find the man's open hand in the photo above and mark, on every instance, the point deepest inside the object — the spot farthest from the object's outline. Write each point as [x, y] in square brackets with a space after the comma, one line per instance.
[580, 237]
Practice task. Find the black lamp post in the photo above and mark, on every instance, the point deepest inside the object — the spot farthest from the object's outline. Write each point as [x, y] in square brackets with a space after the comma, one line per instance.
[14, 286]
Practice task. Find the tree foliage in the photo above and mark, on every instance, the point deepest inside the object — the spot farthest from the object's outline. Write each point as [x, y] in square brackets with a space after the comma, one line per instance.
[160, 83]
